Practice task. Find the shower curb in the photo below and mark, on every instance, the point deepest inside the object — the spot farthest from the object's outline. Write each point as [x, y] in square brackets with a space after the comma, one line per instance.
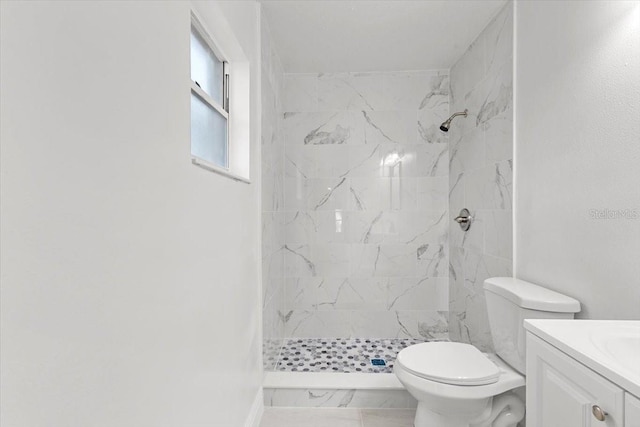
[335, 390]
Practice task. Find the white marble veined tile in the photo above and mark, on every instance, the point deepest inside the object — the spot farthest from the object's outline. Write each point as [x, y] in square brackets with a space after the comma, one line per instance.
[374, 291]
[433, 91]
[300, 227]
[433, 160]
[321, 128]
[383, 160]
[398, 194]
[365, 161]
[273, 156]
[388, 127]
[467, 73]
[417, 324]
[433, 193]
[433, 324]
[339, 293]
[411, 293]
[384, 260]
[332, 226]
[456, 193]
[467, 152]
[364, 194]
[473, 238]
[299, 162]
[329, 161]
[331, 260]
[423, 227]
[499, 39]
[328, 194]
[417, 90]
[429, 121]
[456, 272]
[304, 323]
[273, 229]
[378, 324]
[385, 399]
[490, 187]
[298, 261]
[308, 417]
[433, 258]
[272, 275]
[388, 417]
[363, 91]
[300, 92]
[494, 95]
[479, 267]
[373, 226]
[473, 325]
[301, 293]
[498, 135]
[296, 194]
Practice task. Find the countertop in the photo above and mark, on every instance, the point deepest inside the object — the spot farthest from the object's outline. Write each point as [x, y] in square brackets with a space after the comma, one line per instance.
[588, 341]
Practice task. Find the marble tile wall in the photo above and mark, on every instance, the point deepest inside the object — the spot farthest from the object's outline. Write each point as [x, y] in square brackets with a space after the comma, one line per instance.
[480, 176]
[338, 398]
[364, 205]
[272, 79]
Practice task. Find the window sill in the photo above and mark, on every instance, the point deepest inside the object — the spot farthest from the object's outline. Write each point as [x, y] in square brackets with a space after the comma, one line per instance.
[217, 169]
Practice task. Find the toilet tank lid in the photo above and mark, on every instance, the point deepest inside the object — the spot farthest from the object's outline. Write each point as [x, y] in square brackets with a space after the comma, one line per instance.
[528, 295]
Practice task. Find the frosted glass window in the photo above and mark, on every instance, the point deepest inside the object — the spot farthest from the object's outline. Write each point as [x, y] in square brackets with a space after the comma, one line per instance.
[206, 69]
[208, 133]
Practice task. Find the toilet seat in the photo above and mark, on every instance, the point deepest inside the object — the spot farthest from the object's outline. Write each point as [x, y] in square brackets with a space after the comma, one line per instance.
[449, 363]
[509, 379]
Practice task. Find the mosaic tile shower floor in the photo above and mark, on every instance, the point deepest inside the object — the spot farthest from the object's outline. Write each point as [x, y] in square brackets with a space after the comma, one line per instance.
[340, 355]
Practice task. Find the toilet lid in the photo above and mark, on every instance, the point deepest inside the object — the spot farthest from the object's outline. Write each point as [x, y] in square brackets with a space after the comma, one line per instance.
[449, 362]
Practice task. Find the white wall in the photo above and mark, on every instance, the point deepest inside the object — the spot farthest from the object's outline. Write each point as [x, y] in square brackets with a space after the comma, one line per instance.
[577, 149]
[130, 278]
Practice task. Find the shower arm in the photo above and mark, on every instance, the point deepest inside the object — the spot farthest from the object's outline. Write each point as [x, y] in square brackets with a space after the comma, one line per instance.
[462, 113]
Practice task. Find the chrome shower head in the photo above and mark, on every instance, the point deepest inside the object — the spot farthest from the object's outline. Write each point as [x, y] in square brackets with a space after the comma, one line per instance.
[444, 127]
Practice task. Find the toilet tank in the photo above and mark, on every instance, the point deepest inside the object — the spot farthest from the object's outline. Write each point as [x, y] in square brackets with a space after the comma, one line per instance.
[509, 302]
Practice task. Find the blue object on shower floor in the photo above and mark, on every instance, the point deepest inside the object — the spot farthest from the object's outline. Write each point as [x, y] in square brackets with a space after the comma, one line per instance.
[378, 362]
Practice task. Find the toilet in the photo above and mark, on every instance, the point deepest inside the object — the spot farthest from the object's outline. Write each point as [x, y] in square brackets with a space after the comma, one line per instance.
[456, 385]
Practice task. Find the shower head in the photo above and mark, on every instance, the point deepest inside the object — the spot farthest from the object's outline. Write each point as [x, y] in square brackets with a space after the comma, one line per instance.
[444, 127]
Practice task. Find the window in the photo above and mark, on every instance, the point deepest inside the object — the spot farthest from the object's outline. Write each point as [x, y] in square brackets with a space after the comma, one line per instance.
[222, 131]
[209, 101]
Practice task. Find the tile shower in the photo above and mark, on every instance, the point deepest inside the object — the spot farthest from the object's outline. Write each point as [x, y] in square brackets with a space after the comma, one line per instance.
[359, 188]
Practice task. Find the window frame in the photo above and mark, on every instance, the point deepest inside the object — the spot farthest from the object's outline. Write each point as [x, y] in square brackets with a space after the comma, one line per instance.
[222, 109]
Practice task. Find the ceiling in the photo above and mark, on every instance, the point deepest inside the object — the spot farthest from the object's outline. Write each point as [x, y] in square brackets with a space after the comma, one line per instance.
[394, 35]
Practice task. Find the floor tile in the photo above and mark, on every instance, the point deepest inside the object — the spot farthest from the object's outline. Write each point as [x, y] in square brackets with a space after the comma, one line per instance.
[388, 417]
[311, 417]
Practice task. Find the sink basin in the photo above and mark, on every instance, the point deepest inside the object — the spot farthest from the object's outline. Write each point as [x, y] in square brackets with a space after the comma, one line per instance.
[620, 344]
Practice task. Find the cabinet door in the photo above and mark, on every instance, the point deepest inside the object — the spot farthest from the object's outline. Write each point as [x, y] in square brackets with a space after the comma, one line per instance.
[561, 392]
[631, 411]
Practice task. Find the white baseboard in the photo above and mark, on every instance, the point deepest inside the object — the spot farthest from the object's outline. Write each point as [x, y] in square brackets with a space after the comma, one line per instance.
[257, 409]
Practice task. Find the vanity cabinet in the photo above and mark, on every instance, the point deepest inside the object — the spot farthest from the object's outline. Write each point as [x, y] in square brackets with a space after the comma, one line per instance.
[561, 392]
[631, 411]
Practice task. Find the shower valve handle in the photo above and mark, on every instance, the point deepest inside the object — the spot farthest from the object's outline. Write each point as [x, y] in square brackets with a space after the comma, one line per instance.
[464, 219]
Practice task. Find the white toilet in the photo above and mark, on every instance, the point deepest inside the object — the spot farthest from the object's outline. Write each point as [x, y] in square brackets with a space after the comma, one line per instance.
[458, 386]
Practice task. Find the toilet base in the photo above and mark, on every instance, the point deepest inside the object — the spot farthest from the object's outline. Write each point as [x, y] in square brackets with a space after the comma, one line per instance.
[505, 410]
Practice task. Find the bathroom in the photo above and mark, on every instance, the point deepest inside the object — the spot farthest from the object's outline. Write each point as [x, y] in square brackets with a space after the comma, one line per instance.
[143, 286]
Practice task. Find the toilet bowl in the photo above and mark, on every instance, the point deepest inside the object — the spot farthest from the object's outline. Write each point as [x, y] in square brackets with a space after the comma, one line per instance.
[456, 385]
[450, 397]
